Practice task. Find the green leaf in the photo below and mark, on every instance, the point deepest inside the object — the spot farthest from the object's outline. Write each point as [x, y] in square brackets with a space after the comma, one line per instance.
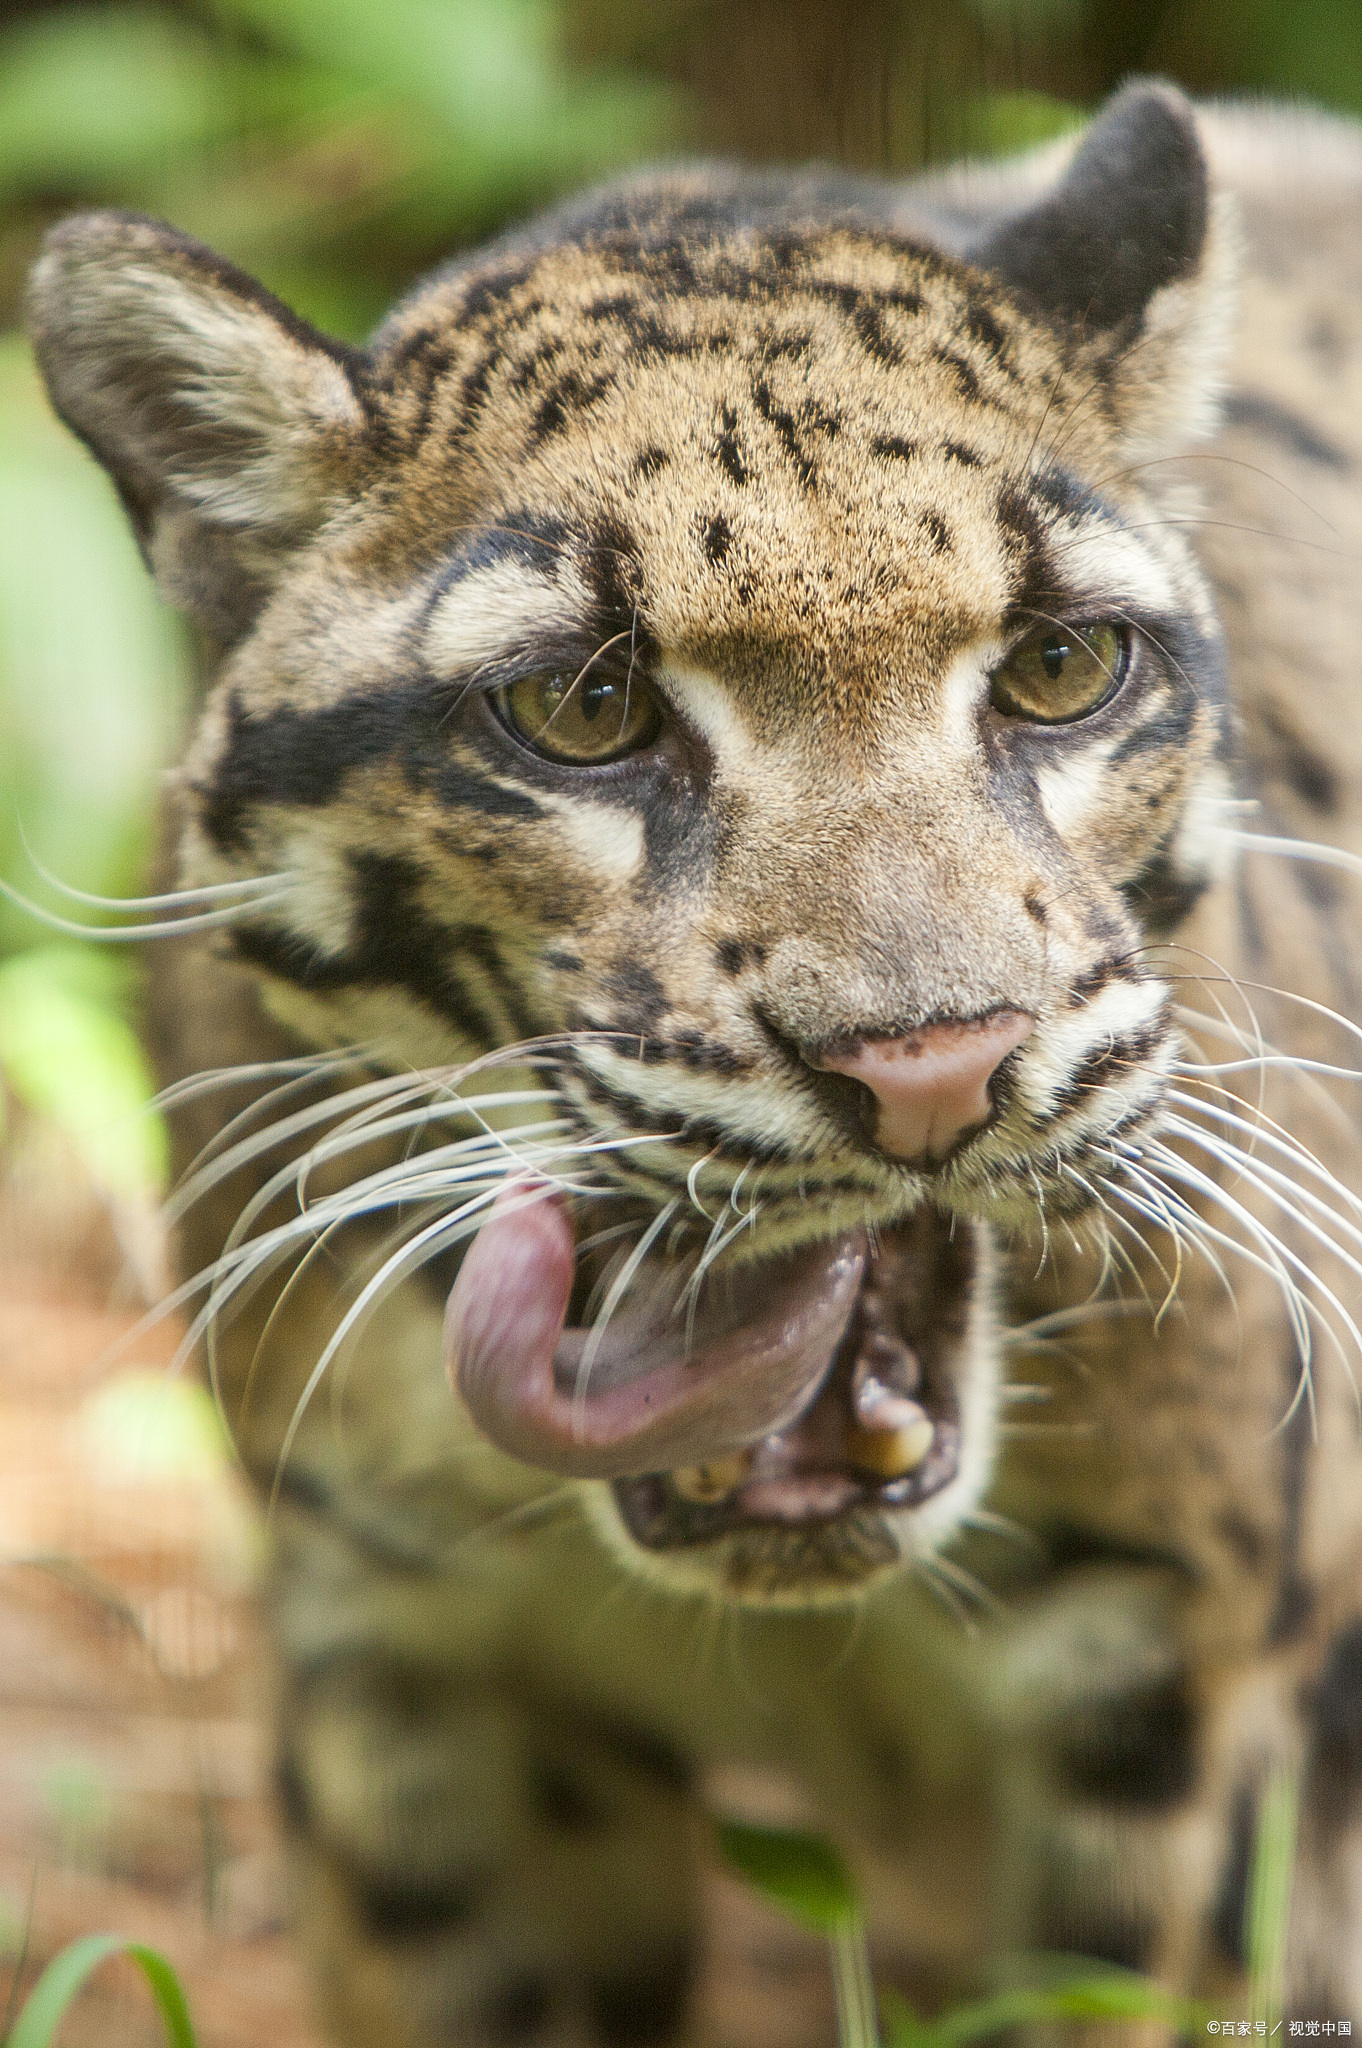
[93, 99]
[69, 1055]
[797, 1871]
[1076, 1993]
[92, 665]
[65, 1976]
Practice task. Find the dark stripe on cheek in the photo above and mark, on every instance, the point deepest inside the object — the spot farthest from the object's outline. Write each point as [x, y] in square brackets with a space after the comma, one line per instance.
[395, 944]
[1167, 730]
[288, 757]
[1161, 895]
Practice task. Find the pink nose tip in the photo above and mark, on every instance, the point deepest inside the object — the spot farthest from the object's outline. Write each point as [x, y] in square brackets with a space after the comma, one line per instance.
[932, 1084]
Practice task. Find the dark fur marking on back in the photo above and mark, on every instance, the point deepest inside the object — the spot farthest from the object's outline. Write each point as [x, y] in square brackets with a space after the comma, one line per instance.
[964, 375]
[573, 393]
[1335, 1707]
[1295, 1600]
[646, 2006]
[1138, 1750]
[1229, 1906]
[1066, 1920]
[516, 2009]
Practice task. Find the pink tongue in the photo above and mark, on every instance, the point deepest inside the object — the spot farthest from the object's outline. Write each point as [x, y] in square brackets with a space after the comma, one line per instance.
[648, 1404]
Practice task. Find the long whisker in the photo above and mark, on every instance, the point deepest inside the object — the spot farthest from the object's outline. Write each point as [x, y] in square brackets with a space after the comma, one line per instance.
[170, 899]
[134, 934]
[1308, 850]
[619, 1287]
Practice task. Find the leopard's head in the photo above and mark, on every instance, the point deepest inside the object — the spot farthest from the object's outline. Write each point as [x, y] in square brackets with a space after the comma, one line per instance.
[730, 639]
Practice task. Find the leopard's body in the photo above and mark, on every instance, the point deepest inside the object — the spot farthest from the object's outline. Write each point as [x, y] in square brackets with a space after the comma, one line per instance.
[807, 451]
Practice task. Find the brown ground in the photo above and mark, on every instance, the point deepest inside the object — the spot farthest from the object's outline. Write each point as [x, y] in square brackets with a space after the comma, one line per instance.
[133, 1743]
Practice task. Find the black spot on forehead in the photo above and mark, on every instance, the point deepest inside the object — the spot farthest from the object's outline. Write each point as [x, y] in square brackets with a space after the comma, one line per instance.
[937, 532]
[893, 448]
[956, 451]
[983, 327]
[795, 427]
[716, 539]
[1061, 491]
[572, 393]
[728, 449]
[611, 562]
[651, 462]
[966, 380]
[1026, 537]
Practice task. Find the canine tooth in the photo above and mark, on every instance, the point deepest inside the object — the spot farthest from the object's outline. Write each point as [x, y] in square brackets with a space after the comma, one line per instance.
[891, 1435]
[879, 1404]
[705, 1483]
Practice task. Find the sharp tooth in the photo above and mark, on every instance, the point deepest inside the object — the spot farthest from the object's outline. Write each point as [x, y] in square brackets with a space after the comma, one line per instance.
[879, 1406]
[891, 1436]
[715, 1481]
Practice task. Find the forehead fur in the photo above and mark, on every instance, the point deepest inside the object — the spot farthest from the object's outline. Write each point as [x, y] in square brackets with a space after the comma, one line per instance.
[804, 446]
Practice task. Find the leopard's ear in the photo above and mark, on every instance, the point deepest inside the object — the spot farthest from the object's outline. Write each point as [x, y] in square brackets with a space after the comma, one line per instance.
[231, 428]
[1132, 253]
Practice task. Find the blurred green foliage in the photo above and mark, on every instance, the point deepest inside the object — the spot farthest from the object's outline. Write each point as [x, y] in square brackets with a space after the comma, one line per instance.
[337, 148]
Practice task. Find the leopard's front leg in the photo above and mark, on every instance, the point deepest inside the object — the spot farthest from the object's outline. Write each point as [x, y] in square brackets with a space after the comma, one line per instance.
[476, 1862]
[1133, 1777]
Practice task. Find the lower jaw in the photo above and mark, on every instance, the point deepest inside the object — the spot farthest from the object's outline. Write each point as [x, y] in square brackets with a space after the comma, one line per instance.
[804, 1516]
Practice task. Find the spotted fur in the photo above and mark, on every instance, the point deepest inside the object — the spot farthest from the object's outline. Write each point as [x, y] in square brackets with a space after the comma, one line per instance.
[806, 457]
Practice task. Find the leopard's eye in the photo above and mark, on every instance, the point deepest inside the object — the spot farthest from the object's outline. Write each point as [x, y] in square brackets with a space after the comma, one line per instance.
[584, 718]
[1059, 673]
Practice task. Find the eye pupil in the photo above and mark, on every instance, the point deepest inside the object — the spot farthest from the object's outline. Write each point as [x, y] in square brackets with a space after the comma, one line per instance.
[1053, 654]
[594, 696]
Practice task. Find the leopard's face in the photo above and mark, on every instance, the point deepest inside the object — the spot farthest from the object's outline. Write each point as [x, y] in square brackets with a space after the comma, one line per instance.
[748, 663]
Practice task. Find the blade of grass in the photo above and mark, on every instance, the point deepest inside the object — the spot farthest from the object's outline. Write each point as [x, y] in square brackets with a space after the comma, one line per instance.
[21, 1960]
[858, 2023]
[1079, 1993]
[1268, 1913]
[65, 1977]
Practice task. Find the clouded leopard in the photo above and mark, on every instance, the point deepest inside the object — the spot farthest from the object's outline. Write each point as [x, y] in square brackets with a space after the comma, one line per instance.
[772, 1138]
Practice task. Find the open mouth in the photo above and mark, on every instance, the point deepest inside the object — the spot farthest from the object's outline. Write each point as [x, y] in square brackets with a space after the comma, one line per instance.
[785, 1394]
